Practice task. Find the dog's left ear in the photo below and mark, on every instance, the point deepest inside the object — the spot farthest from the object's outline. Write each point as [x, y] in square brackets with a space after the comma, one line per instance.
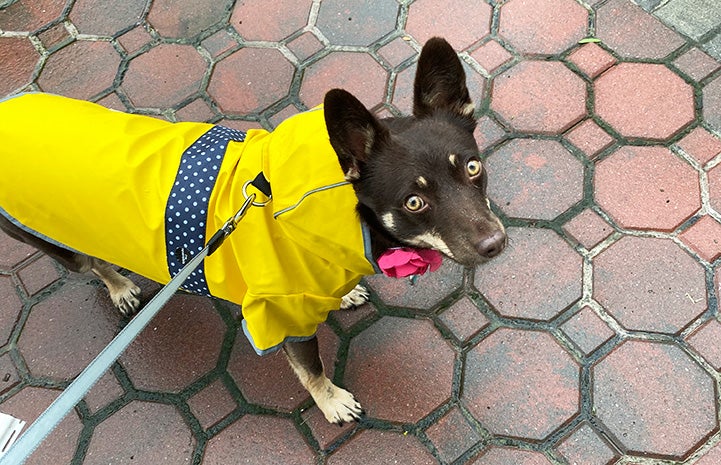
[440, 82]
[354, 132]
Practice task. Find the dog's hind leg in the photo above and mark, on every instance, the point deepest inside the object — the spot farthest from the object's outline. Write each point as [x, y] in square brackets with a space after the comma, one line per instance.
[355, 298]
[123, 292]
[338, 405]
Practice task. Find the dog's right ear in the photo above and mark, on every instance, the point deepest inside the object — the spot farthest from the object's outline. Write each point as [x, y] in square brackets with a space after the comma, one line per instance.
[440, 82]
[354, 132]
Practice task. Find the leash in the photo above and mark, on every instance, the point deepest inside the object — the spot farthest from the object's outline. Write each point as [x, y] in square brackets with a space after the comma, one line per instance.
[66, 401]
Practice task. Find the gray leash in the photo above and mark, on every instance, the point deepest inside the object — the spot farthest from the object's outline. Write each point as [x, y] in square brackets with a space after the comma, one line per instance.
[66, 401]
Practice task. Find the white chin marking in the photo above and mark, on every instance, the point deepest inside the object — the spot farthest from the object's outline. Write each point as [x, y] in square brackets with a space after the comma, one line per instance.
[388, 221]
[431, 240]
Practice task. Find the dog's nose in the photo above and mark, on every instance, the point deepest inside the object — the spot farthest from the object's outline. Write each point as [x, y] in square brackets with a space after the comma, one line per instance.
[492, 245]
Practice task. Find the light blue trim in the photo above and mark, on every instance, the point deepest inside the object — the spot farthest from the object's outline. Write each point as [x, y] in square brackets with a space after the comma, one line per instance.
[41, 236]
[275, 348]
[318, 189]
[10, 97]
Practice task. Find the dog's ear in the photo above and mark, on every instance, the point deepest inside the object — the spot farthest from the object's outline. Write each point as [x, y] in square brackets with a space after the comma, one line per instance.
[440, 81]
[354, 132]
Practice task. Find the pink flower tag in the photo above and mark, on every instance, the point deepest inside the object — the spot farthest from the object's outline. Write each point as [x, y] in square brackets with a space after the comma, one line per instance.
[404, 261]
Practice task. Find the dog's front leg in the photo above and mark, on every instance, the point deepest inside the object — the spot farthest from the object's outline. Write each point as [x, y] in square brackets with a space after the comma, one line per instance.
[338, 405]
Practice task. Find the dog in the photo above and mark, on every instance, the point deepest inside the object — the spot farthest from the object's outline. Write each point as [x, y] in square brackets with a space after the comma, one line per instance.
[90, 186]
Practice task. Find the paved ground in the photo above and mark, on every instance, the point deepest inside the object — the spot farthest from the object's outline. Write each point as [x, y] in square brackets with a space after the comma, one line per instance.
[593, 339]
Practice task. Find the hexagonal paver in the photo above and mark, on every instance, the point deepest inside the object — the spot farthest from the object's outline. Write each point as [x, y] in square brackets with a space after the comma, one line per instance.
[117, 15]
[534, 178]
[462, 24]
[250, 80]
[554, 26]
[539, 97]
[17, 63]
[654, 398]
[400, 369]
[60, 445]
[625, 28]
[521, 384]
[255, 21]
[340, 69]
[185, 19]
[647, 188]
[164, 76]
[644, 100]
[94, 67]
[381, 447]
[426, 293]
[504, 455]
[142, 432]
[258, 439]
[649, 284]
[346, 22]
[712, 103]
[73, 310]
[536, 277]
[268, 380]
[180, 345]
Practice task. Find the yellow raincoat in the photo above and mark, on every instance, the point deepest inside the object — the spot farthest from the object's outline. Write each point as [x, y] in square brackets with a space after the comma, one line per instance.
[141, 192]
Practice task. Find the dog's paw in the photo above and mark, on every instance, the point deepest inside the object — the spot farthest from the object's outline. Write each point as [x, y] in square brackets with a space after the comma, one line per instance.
[355, 298]
[126, 299]
[338, 405]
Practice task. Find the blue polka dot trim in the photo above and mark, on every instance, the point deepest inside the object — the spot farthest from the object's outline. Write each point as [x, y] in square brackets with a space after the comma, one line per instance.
[187, 207]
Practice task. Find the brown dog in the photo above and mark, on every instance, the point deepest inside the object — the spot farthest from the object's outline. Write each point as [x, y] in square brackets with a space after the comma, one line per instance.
[413, 182]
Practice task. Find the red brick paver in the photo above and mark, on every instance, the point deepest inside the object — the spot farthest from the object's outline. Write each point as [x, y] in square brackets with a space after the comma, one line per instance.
[647, 188]
[539, 97]
[648, 410]
[591, 340]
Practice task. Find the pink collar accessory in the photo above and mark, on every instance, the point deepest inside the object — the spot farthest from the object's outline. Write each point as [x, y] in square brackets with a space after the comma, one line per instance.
[401, 262]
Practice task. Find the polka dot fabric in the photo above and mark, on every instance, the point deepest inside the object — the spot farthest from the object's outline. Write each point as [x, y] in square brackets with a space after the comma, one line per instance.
[187, 208]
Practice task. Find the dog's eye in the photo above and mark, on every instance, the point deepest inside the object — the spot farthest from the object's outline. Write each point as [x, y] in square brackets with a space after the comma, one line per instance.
[415, 203]
[474, 168]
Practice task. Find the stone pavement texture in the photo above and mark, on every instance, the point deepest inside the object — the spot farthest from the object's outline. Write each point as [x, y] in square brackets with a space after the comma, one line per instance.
[594, 339]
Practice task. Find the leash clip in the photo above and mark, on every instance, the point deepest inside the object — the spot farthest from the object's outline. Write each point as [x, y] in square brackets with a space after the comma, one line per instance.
[246, 195]
[230, 225]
